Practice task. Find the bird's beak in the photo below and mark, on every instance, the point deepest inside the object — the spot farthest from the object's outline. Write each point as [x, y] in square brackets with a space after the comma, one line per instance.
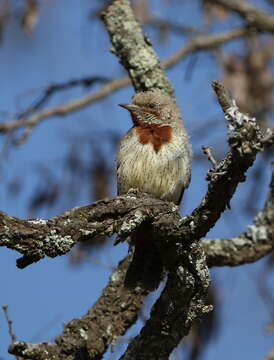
[130, 107]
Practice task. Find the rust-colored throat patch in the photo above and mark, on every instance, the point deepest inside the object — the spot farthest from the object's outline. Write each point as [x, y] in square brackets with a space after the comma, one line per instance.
[154, 134]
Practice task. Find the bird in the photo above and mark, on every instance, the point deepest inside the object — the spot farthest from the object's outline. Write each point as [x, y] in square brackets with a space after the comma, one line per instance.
[154, 157]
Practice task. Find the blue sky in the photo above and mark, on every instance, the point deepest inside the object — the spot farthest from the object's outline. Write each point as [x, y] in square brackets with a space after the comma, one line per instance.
[66, 45]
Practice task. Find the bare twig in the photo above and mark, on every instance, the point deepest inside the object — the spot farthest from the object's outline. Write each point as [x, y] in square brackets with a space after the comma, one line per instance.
[254, 16]
[65, 108]
[204, 42]
[163, 24]
[9, 322]
[47, 93]
[207, 150]
[54, 88]
[10, 326]
[199, 43]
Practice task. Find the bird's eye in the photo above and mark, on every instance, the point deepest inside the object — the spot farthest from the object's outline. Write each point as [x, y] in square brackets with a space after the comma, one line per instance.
[152, 105]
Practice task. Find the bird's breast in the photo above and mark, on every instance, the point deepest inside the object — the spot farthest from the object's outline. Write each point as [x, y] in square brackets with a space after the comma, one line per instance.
[155, 135]
[161, 173]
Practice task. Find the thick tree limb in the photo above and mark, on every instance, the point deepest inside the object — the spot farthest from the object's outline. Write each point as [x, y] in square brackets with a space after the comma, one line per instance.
[182, 301]
[38, 238]
[134, 49]
[89, 336]
[254, 16]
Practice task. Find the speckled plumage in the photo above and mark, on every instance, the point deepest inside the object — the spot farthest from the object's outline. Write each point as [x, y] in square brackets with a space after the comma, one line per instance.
[164, 173]
[154, 157]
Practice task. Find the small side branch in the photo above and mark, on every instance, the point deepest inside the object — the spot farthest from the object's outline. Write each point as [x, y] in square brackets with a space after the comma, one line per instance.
[251, 245]
[246, 140]
[9, 322]
[61, 110]
[10, 326]
[207, 150]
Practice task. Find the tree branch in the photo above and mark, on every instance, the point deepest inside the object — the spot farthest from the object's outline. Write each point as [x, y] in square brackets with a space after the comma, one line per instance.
[134, 50]
[182, 302]
[56, 87]
[254, 17]
[89, 336]
[251, 245]
[204, 42]
[67, 108]
[197, 43]
[38, 238]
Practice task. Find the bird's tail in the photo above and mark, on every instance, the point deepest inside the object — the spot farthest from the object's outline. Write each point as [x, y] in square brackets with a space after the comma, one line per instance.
[146, 268]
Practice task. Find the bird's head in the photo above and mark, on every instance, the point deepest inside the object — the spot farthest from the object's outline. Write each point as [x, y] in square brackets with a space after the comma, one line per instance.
[153, 107]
